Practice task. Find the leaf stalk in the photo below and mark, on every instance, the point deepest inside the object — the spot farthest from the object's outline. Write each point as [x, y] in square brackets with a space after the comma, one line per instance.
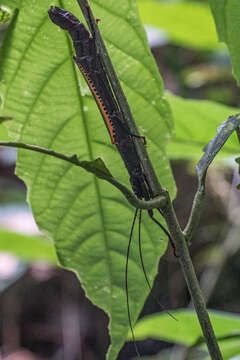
[155, 203]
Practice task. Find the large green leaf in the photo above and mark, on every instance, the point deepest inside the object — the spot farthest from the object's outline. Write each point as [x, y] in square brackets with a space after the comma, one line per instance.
[88, 220]
[3, 133]
[187, 330]
[227, 19]
[188, 23]
[196, 122]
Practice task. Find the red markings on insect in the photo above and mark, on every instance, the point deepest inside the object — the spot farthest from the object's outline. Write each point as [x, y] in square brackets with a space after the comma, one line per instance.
[99, 102]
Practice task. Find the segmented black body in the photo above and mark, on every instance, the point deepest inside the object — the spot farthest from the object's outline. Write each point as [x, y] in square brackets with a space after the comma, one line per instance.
[90, 66]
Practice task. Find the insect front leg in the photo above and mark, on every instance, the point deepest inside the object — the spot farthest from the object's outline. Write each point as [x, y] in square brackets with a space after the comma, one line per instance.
[91, 27]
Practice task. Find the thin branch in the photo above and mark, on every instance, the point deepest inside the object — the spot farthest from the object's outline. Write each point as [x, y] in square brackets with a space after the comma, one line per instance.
[238, 133]
[210, 152]
[155, 203]
[191, 280]
[196, 211]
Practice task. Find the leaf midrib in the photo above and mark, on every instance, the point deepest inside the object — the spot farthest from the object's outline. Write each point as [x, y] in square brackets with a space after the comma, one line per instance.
[89, 147]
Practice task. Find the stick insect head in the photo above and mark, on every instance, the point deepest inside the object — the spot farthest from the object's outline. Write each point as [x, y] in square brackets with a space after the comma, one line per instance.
[67, 21]
[62, 18]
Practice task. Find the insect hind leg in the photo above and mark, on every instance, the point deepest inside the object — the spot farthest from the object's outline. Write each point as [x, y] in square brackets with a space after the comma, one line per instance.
[143, 266]
[150, 213]
[126, 283]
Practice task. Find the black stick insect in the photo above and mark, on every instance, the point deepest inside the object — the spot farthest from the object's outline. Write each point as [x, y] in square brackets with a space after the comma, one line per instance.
[89, 63]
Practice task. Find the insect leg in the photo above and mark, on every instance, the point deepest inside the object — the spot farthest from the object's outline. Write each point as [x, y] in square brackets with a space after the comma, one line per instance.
[143, 267]
[126, 283]
[91, 27]
[150, 213]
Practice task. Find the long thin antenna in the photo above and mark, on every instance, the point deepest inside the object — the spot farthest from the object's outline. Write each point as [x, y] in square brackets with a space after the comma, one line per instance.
[140, 251]
[126, 283]
[143, 266]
